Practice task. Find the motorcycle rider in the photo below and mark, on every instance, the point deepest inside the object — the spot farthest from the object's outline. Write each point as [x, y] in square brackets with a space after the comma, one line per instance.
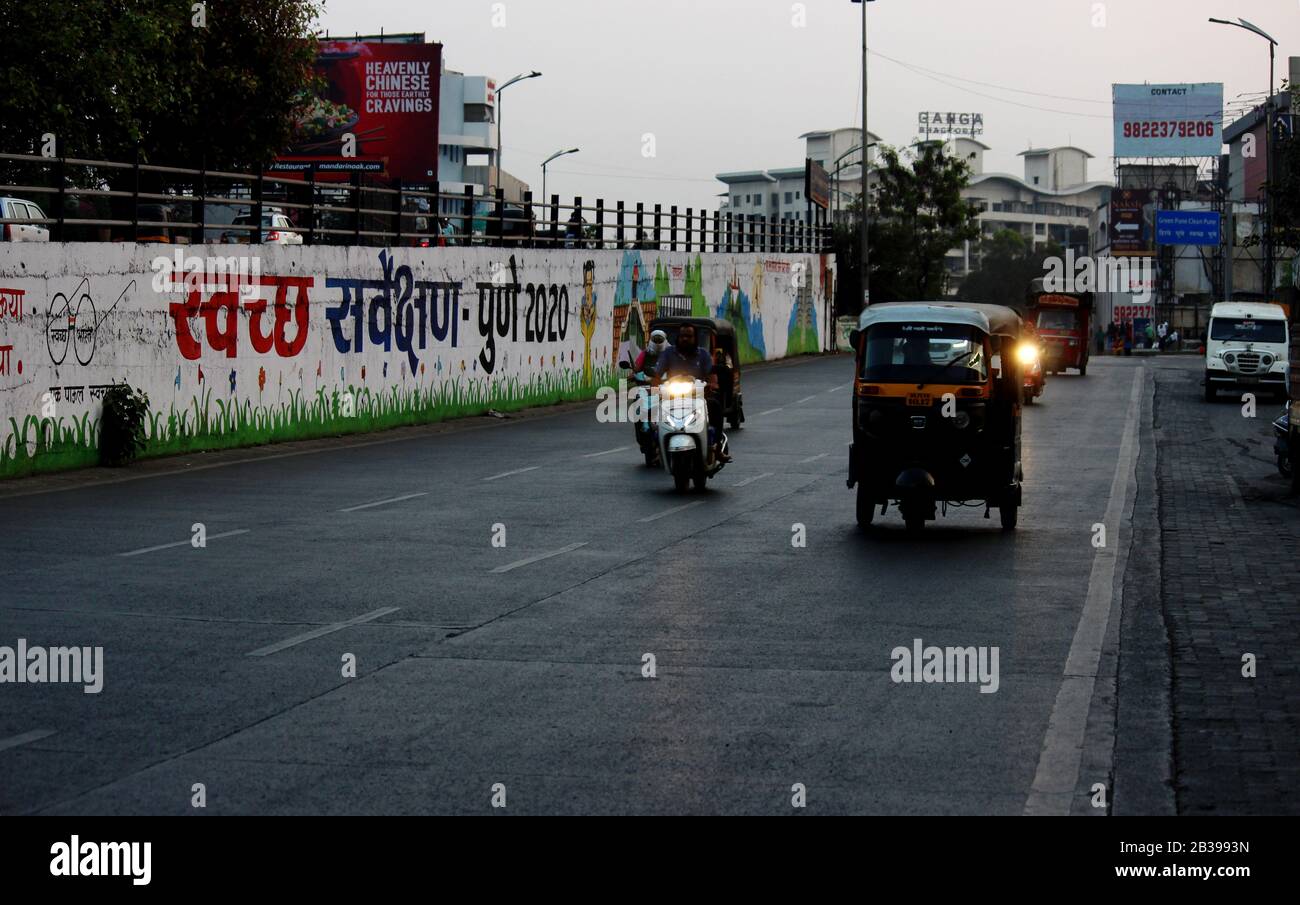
[687, 359]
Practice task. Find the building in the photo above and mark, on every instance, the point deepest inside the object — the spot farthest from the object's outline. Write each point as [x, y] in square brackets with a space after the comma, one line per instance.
[1051, 203]
[467, 140]
[779, 193]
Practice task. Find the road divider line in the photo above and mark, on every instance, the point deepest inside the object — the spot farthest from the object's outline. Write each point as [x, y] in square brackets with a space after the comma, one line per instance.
[539, 557]
[840, 387]
[25, 739]
[758, 477]
[506, 474]
[770, 411]
[805, 399]
[606, 452]
[668, 512]
[1052, 791]
[813, 458]
[396, 499]
[183, 543]
[323, 630]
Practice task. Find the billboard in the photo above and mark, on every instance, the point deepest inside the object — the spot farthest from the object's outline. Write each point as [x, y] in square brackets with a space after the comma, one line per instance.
[377, 113]
[817, 183]
[1132, 221]
[1187, 227]
[1168, 120]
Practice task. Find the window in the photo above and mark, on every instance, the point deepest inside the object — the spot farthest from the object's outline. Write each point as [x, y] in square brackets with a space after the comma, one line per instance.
[478, 113]
[925, 353]
[796, 194]
[1035, 180]
[776, 200]
[789, 198]
[1264, 330]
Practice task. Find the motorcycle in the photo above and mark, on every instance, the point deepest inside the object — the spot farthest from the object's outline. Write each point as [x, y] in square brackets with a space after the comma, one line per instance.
[685, 436]
[1031, 359]
[645, 427]
[1281, 444]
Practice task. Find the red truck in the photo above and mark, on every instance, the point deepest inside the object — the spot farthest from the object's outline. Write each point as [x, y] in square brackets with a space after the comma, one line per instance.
[1064, 323]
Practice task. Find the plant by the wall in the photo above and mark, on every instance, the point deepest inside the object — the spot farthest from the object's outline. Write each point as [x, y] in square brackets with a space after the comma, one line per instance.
[121, 427]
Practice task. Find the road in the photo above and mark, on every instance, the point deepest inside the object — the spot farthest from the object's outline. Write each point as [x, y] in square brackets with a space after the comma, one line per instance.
[522, 664]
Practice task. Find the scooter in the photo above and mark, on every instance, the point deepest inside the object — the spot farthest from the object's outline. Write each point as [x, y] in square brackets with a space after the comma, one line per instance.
[685, 436]
[1281, 444]
[646, 427]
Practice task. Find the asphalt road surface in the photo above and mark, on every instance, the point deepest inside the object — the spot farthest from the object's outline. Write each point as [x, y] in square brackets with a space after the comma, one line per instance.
[524, 664]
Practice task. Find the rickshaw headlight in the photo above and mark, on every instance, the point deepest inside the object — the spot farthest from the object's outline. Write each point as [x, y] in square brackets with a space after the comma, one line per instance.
[961, 420]
[1027, 353]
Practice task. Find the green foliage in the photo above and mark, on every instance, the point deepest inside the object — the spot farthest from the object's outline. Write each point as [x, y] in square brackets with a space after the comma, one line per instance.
[105, 76]
[1008, 263]
[918, 216]
[121, 426]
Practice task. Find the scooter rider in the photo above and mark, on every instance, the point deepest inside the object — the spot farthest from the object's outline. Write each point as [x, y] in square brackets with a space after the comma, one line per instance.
[687, 359]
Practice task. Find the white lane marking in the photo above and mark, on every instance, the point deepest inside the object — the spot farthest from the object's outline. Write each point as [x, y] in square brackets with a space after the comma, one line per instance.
[506, 474]
[323, 630]
[805, 399]
[770, 411]
[758, 477]
[813, 458]
[667, 512]
[396, 499]
[840, 387]
[25, 739]
[1062, 751]
[606, 452]
[183, 543]
[539, 557]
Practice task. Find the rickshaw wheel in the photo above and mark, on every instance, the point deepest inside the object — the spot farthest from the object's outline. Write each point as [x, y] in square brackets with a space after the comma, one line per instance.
[866, 507]
[1008, 515]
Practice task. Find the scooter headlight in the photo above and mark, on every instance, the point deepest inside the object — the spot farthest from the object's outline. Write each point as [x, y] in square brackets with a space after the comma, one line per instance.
[676, 388]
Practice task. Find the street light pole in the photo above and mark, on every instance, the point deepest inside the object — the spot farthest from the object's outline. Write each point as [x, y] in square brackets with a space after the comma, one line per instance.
[519, 78]
[548, 160]
[866, 177]
[1268, 150]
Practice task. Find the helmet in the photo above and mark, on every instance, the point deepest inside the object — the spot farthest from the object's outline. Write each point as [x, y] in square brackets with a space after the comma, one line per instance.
[658, 342]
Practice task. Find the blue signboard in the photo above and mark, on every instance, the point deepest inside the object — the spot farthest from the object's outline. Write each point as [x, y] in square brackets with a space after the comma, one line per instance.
[1187, 227]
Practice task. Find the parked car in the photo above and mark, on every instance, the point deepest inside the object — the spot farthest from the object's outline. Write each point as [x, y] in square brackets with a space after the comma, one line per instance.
[276, 230]
[18, 209]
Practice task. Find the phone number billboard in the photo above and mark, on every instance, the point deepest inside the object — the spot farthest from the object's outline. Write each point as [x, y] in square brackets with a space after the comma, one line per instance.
[1168, 120]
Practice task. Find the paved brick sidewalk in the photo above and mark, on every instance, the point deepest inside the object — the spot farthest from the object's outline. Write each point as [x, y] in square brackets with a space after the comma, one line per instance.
[1230, 540]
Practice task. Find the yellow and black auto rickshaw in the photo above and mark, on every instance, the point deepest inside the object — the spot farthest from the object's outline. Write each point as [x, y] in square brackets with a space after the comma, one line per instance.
[936, 410]
[718, 338]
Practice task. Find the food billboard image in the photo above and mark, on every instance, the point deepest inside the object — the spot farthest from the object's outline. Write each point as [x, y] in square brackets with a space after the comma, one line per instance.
[383, 95]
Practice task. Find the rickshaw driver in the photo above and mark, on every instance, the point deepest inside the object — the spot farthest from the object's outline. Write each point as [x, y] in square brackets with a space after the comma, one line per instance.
[687, 359]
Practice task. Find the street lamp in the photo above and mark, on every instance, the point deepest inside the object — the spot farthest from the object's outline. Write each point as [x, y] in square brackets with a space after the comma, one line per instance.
[548, 160]
[1268, 148]
[519, 78]
[866, 210]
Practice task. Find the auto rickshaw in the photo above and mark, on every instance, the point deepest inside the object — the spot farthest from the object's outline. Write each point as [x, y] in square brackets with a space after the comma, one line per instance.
[718, 338]
[936, 410]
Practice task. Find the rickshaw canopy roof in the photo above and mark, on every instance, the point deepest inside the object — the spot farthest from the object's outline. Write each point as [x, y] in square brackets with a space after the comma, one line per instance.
[715, 324]
[992, 319]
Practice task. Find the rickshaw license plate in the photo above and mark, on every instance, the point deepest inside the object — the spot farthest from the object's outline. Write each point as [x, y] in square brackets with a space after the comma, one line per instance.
[919, 399]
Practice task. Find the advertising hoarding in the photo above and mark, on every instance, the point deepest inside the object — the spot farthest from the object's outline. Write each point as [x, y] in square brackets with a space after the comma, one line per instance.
[1179, 120]
[384, 96]
[1132, 222]
[1187, 227]
[817, 183]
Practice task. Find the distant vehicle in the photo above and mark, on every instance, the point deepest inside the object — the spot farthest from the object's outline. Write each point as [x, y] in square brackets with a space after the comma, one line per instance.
[1064, 323]
[276, 230]
[1246, 347]
[518, 227]
[18, 209]
[149, 217]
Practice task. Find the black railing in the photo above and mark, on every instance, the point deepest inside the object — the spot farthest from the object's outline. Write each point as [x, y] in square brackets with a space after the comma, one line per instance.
[188, 206]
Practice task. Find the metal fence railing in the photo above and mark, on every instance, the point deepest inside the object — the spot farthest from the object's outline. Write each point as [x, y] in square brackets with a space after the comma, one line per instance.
[113, 201]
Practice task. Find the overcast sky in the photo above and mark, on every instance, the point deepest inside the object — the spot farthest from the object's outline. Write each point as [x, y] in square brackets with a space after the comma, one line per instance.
[730, 84]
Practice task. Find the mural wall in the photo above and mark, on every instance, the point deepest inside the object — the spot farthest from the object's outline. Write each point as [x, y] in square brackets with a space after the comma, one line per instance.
[293, 343]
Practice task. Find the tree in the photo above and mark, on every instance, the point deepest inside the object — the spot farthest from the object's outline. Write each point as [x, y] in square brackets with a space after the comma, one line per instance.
[106, 76]
[918, 216]
[1008, 263]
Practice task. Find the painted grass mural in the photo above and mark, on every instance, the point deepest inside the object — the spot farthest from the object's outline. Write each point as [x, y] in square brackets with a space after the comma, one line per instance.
[314, 342]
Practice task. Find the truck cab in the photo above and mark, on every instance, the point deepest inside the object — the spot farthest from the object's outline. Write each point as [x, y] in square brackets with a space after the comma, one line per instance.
[1246, 348]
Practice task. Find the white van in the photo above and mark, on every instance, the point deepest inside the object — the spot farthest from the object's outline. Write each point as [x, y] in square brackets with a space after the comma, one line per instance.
[1246, 348]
